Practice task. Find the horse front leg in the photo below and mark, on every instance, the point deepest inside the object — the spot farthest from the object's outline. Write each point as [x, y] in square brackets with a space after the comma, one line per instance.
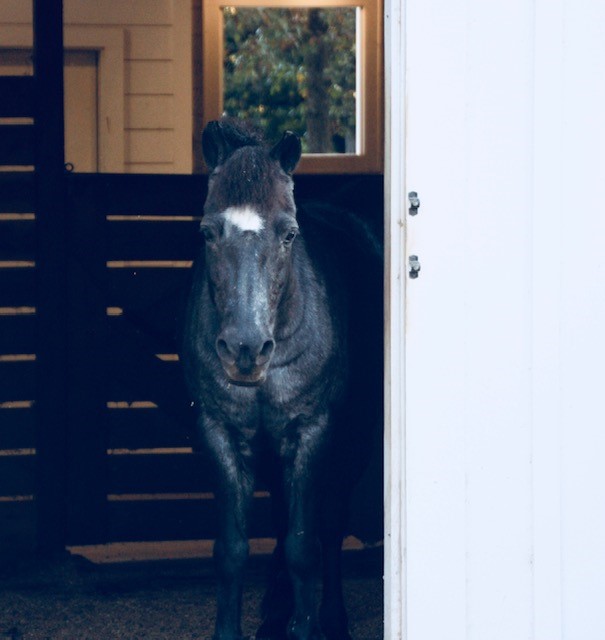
[302, 479]
[278, 603]
[234, 493]
[332, 612]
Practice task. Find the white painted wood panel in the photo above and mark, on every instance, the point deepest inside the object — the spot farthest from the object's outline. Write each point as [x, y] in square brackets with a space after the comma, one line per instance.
[144, 146]
[145, 74]
[149, 112]
[152, 12]
[95, 12]
[504, 341]
[149, 43]
[148, 77]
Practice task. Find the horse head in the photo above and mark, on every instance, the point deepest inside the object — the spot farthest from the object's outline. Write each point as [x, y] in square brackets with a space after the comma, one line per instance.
[249, 227]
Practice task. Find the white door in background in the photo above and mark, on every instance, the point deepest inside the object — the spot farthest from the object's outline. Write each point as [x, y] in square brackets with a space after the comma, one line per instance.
[81, 102]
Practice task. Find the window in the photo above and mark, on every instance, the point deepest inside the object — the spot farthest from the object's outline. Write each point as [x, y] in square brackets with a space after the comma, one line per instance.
[311, 66]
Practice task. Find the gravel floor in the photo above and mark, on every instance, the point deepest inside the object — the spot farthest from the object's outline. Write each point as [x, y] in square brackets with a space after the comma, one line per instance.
[169, 599]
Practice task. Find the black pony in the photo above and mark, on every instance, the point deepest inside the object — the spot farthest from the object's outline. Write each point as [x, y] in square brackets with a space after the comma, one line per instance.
[282, 354]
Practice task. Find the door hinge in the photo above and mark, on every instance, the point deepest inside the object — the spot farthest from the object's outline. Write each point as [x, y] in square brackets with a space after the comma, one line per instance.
[414, 203]
[414, 266]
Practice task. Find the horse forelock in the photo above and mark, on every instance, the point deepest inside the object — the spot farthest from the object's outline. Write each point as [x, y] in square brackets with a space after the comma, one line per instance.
[251, 178]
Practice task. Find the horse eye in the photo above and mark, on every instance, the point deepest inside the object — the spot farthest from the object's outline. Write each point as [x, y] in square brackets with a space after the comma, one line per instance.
[208, 234]
[290, 236]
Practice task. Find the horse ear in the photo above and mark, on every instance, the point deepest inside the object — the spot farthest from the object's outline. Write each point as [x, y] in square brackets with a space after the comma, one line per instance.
[214, 146]
[287, 151]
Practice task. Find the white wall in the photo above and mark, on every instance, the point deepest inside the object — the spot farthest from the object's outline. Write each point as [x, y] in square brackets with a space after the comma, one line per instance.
[504, 426]
[155, 91]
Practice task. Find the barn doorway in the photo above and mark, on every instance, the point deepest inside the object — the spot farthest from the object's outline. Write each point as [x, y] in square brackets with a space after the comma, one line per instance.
[95, 444]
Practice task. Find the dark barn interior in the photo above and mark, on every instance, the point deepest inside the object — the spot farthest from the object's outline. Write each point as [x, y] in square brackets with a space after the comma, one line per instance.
[106, 510]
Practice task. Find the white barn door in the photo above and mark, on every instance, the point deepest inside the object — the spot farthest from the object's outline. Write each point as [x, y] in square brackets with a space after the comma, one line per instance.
[497, 449]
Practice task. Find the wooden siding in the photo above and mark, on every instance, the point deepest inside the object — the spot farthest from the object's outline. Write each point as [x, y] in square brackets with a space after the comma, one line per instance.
[157, 94]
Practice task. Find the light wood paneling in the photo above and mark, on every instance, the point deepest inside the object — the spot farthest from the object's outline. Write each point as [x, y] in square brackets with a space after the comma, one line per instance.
[149, 77]
[145, 146]
[149, 112]
[148, 43]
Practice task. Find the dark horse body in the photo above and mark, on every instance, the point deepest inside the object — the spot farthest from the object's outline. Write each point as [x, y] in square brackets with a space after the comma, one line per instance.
[279, 389]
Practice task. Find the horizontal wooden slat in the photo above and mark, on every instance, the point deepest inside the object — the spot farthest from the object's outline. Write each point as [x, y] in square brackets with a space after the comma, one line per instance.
[17, 429]
[146, 288]
[159, 473]
[17, 475]
[178, 520]
[156, 327]
[146, 428]
[17, 239]
[17, 333]
[17, 288]
[17, 528]
[17, 96]
[17, 381]
[17, 192]
[17, 145]
[153, 240]
[124, 386]
[143, 194]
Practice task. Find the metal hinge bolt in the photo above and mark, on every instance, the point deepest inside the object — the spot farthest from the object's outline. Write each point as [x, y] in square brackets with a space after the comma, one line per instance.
[414, 266]
[414, 203]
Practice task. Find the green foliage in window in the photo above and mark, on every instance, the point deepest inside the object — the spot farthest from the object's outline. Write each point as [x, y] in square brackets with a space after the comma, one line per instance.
[293, 69]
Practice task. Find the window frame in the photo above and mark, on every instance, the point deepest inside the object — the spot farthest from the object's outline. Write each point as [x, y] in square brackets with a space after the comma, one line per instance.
[369, 79]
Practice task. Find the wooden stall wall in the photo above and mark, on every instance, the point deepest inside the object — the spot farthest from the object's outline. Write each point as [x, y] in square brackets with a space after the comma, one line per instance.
[97, 436]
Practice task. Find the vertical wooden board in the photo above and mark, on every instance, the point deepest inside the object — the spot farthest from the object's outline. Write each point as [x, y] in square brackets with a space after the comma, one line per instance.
[51, 280]
[497, 334]
[17, 428]
[17, 97]
[468, 407]
[582, 318]
[17, 334]
[17, 145]
[87, 368]
[17, 380]
[17, 475]
[17, 530]
[16, 239]
[434, 448]
[17, 191]
[548, 234]
[18, 287]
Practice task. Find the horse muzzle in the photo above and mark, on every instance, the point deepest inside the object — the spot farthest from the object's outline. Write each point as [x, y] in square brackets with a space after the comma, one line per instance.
[245, 359]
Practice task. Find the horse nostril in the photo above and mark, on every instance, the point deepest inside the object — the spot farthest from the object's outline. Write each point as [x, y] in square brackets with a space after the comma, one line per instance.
[245, 353]
[222, 348]
[267, 349]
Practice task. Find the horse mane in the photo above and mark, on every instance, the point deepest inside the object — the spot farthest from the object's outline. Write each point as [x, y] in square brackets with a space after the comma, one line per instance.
[347, 230]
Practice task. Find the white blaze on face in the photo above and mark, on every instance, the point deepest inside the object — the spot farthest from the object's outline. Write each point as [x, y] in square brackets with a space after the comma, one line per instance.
[243, 219]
